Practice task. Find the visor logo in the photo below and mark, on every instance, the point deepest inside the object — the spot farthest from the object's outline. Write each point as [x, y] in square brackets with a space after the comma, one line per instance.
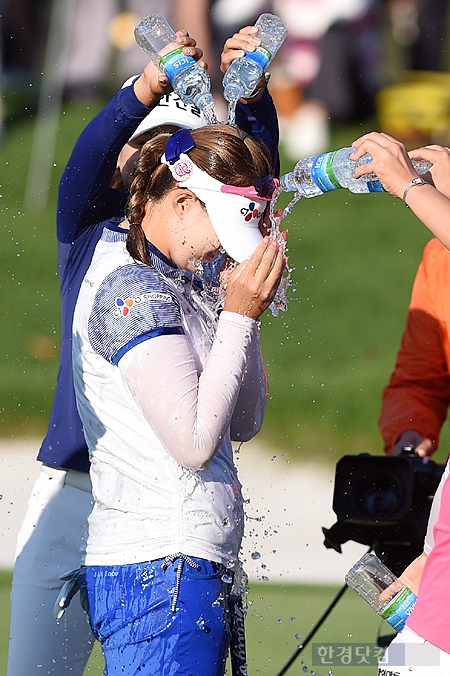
[182, 169]
[251, 212]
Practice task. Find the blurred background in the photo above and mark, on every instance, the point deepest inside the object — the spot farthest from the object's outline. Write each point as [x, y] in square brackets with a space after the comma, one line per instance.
[347, 67]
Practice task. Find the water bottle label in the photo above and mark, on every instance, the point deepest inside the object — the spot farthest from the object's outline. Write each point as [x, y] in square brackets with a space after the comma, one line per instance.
[375, 186]
[322, 172]
[399, 609]
[261, 55]
[175, 61]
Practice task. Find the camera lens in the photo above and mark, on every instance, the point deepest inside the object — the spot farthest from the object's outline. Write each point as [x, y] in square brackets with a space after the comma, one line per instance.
[378, 497]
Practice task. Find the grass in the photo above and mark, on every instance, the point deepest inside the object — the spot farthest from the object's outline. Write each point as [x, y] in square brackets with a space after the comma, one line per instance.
[328, 357]
[279, 618]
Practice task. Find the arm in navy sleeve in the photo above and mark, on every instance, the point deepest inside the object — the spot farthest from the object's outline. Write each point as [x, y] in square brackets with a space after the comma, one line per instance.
[85, 196]
[260, 120]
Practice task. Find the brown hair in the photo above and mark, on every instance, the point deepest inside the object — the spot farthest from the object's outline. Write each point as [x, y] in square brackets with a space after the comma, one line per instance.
[221, 150]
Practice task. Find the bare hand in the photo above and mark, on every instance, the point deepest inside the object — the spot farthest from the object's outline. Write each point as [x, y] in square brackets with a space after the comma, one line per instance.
[422, 447]
[440, 171]
[391, 162]
[410, 578]
[252, 285]
[153, 84]
[236, 46]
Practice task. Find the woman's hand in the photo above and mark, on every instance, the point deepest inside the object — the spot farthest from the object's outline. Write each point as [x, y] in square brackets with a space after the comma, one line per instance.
[410, 578]
[391, 162]
[439, 173]
[251, 286]
[235, 47]
[153, 84]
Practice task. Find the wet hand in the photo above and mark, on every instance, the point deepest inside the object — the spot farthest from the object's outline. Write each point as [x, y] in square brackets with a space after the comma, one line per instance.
[252, 285]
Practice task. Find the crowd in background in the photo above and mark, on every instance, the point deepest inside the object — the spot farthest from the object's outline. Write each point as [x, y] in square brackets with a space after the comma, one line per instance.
[338, 55]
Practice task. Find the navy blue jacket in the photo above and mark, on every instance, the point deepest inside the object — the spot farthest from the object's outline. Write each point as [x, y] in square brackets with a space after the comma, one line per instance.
[86, 204]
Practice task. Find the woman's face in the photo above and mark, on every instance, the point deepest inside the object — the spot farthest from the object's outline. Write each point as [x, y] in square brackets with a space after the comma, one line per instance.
[180, 227]
[194, 241]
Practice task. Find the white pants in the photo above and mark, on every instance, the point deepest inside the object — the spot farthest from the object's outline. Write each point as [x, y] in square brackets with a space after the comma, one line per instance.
[416, 651]
[50, 543]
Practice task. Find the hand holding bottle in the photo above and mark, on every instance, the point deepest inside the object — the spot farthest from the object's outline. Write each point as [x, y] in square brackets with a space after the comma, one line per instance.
[439, 173]
[390, 161]
[153, 84]
[192, 84]
[236, 47]
[410, 578]
[382, 590]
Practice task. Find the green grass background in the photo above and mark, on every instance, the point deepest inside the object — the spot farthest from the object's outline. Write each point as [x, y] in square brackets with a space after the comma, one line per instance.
[279, 618]
[328, 357]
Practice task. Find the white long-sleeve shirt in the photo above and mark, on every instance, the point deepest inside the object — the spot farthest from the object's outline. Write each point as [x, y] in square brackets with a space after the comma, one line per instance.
[158, 382]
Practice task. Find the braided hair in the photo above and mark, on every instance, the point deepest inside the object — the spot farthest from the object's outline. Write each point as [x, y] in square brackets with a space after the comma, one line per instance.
[221, 150]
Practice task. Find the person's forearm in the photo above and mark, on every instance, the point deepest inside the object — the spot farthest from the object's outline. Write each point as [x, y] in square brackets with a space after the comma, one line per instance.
[433, 209]
[92, 163]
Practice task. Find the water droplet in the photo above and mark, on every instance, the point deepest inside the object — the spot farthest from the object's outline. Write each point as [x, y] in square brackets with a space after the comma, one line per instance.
[256, 555]
[227, 578]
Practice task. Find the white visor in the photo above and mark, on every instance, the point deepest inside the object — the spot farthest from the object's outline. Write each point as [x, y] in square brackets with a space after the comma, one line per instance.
[169, 110]
[235, 218]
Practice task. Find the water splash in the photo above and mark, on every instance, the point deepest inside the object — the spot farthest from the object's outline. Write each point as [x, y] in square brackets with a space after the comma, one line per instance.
[231, 113]
[280, 302]
[209, 111]
[201, 624]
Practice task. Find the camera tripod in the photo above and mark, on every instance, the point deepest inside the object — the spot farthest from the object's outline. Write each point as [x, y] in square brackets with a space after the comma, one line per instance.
[383, 641]
[316, 627]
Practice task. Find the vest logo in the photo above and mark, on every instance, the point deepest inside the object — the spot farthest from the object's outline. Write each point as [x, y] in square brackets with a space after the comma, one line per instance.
[124, 306]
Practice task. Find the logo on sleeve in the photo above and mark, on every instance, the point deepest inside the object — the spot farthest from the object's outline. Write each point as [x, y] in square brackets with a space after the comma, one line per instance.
[124, 306]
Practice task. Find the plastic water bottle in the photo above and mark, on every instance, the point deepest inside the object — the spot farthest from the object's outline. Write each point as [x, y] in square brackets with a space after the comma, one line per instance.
[192, 84]
[369, 577]
[316, 175]
[244, 73]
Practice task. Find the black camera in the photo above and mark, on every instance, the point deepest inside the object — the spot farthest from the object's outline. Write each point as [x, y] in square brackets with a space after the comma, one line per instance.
[384, 502]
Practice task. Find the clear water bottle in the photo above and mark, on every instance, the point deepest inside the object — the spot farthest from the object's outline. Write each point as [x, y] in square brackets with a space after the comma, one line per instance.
[369, 577]
[316, 175]
[244, 73]
[192, 84]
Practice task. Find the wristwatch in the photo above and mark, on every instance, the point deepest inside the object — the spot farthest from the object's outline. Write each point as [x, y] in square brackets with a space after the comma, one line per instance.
[416, 181]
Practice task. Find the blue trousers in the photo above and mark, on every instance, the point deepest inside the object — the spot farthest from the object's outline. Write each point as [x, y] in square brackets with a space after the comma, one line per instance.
[160, 618]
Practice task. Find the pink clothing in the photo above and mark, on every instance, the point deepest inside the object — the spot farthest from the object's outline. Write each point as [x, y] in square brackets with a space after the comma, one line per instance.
[430, 616]
[418, 398]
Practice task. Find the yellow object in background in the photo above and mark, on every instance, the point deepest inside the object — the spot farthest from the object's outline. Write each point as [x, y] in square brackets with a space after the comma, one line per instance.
[121, 30]
[417, 110]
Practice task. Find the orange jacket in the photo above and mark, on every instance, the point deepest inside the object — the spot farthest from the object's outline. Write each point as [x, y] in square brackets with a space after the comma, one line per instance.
[418, 394]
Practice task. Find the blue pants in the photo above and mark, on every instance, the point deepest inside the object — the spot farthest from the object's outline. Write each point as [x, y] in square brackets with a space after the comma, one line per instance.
[160, 618]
